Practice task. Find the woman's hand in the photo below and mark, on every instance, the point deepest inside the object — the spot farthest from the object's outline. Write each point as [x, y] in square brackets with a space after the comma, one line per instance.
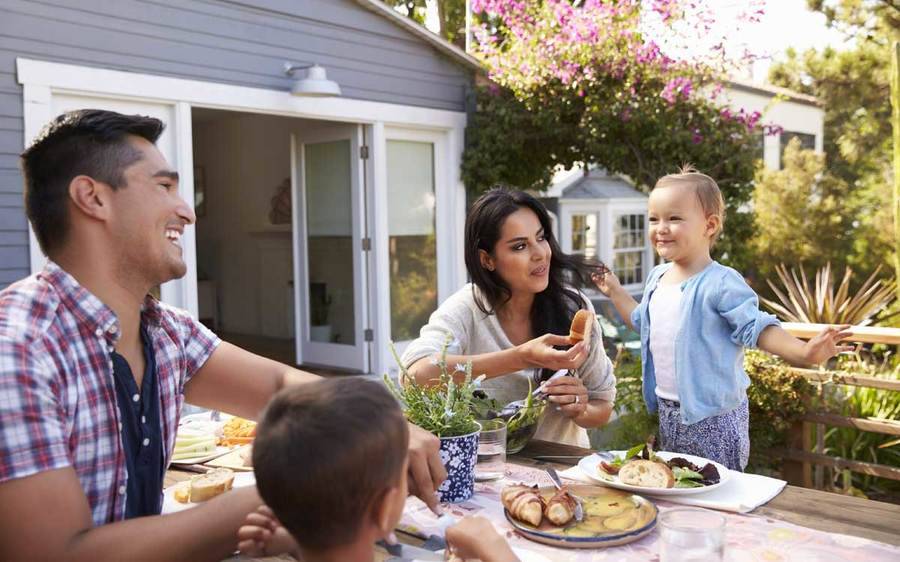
[540, 352]
[262, 535]
[568, 394]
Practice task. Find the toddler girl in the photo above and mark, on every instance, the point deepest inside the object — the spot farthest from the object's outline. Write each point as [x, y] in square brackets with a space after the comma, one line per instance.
[695, 318]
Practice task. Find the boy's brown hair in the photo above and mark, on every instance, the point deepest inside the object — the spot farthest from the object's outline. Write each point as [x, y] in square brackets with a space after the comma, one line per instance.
[324, 453]
[706, 188]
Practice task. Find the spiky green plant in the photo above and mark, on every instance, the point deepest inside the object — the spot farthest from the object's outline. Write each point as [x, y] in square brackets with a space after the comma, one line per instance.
[444, 409]
[821, 302]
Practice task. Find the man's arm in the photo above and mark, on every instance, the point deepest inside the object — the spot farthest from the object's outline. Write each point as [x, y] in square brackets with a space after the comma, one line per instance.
[236, 381]
[47, 517]
[239, 382]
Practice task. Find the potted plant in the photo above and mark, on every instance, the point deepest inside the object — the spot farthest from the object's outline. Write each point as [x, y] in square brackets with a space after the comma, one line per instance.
[446, 411]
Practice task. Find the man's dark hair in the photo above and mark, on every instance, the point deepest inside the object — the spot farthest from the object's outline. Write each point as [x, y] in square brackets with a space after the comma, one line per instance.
[89, 142]
[324, 453]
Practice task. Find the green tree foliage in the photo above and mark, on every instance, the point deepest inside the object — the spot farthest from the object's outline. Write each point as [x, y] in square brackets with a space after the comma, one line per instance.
[794, 207]
[853, 85]
[451, 16]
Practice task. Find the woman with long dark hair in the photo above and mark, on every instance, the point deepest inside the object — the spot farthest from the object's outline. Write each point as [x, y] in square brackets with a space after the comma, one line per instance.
[510, 319]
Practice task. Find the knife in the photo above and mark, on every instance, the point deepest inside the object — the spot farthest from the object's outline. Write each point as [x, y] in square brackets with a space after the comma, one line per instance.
[408, 552]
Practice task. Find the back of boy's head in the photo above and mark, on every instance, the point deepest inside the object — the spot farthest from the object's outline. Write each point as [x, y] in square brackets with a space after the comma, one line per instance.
[324, 453]
[706, 189]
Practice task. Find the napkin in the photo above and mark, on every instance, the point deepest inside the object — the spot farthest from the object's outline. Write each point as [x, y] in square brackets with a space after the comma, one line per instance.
[742, 492]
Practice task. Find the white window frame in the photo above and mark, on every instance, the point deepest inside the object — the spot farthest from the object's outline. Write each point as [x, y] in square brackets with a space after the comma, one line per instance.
[615, 215]
[606, 211]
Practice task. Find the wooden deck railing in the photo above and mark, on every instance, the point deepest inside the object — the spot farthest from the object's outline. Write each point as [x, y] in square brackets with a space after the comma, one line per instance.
[804, 459]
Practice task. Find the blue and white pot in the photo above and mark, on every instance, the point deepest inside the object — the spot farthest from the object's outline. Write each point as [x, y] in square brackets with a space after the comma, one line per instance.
[459, 454]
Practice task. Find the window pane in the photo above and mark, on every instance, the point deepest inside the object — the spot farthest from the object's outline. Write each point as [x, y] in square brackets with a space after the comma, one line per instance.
[578, 228]
[410, 174]
[628, 231]
[584, 235]
[329, 242]
[628, 267]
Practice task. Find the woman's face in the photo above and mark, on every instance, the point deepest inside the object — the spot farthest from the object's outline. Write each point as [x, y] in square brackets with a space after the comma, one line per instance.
[521, 256]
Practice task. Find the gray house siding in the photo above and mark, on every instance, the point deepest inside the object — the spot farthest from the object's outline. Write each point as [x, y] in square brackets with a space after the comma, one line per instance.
[242, 43]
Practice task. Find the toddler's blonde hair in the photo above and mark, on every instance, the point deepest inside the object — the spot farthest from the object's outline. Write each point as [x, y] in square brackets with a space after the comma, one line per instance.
[708, 192]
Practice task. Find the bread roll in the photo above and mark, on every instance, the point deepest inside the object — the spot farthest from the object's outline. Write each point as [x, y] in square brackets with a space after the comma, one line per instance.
[647, 474]
[209, 485]
[581, 326]
[524, 503]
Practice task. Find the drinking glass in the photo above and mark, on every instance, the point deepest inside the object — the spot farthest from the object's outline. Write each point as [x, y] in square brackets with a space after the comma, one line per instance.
[691, 535]
[491, 450]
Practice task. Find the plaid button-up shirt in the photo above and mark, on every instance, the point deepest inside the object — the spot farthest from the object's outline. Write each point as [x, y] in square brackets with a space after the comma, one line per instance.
[57, 394]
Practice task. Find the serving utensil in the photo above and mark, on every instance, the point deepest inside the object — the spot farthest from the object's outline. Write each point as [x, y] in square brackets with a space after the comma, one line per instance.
[579, 503]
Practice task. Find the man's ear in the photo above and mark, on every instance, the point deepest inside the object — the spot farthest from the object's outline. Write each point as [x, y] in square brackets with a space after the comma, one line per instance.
[383, 510]
[487, 261]
[90, 196]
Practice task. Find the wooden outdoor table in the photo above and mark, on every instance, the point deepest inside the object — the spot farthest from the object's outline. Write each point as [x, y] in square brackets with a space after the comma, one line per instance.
[809, 508]
[815, 509]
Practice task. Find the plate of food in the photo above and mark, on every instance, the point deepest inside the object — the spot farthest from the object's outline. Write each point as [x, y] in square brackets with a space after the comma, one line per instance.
[194, 445]
[642, 470]
[547, 515]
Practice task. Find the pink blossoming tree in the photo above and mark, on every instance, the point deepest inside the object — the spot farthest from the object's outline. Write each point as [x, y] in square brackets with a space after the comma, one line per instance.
[615, 84]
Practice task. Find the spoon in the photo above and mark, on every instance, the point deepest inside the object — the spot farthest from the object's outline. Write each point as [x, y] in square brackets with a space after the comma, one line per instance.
[579, 510]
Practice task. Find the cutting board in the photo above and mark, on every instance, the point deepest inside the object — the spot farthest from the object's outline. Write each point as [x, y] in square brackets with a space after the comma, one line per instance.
[233, 460]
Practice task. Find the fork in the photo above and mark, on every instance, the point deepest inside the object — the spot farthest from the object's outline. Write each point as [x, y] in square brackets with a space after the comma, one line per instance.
[579, 503]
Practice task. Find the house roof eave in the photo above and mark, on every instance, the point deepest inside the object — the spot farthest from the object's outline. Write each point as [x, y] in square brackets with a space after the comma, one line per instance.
[439, 43]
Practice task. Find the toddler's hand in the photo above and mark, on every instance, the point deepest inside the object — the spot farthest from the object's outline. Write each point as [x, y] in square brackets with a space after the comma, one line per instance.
[262, 535]
[475, 537]
[606, 281]
[825, 345]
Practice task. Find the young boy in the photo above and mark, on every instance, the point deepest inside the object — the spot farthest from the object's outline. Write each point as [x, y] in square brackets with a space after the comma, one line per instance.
[330, 464]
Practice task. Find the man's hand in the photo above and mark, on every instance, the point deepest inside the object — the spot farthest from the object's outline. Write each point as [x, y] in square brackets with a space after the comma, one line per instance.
[426, 472]
[825, 345]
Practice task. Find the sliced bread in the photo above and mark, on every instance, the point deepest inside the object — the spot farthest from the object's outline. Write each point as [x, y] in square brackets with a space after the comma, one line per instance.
[647, 474]
[211, 484]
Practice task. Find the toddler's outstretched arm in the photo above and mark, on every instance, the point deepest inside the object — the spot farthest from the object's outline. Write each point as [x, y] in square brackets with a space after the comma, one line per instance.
[797, 352]
[609, 285]
[475, 537]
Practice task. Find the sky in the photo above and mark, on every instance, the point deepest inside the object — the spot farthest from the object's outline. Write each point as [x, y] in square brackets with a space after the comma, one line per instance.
[786, 23]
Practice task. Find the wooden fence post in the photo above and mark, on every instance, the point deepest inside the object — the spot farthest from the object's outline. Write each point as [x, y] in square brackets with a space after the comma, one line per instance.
[895, 120]
[798, 473]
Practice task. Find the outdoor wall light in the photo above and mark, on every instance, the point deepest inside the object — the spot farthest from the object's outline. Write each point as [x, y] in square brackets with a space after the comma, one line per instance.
[315, 84]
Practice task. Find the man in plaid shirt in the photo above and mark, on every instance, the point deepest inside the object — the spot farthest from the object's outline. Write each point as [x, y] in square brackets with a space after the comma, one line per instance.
[93, 371]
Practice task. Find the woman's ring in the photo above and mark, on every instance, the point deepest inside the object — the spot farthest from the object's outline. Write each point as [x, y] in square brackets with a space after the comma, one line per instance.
[577, 398]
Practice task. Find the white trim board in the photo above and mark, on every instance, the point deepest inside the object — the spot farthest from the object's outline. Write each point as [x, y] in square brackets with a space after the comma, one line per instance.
[115, 83]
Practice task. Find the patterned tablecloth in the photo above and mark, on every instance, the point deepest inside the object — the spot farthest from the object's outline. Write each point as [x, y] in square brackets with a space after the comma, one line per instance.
[749, 538]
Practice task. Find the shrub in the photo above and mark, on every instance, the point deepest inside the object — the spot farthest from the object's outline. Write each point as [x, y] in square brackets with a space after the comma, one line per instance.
[777, 398]
[633, 423]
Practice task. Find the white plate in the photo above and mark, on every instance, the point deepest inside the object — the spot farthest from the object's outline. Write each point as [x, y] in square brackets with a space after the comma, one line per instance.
[171, 505]
[220, 450]
[590, 466]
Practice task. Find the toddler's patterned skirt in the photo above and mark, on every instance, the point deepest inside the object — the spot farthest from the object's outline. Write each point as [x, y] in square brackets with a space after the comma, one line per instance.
[724, 438]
